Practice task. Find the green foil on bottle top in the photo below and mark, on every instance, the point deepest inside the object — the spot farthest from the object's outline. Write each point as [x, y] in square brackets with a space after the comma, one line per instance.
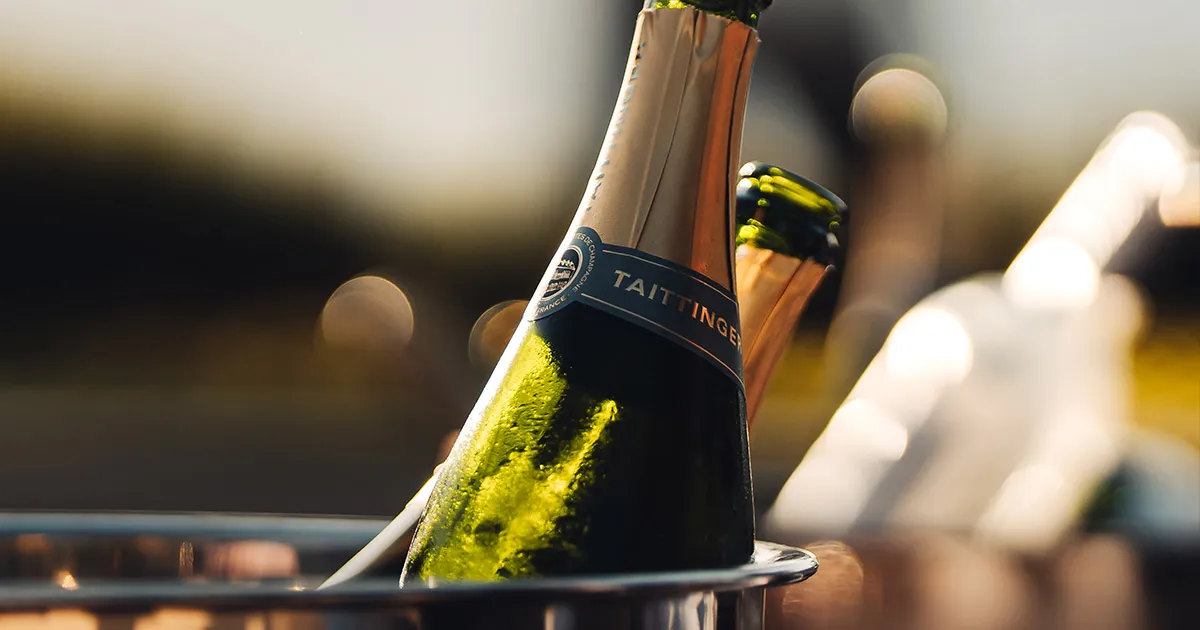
[745, 11]
[784, 212]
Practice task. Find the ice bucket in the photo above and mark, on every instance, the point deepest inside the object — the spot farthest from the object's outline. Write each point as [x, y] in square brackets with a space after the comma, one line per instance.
[197, 571]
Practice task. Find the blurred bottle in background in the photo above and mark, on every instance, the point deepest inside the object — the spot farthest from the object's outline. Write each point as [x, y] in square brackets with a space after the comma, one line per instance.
[997, 406]
[899, 119]
[898, 122]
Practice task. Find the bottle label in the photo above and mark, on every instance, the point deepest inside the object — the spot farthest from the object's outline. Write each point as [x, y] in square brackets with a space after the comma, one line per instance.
[659, 295]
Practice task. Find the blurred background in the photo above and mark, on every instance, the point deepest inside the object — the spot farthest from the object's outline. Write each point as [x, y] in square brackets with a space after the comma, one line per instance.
[188, 188]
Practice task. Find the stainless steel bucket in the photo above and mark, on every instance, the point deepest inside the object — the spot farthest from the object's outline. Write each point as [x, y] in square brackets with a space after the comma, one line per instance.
[190, 572]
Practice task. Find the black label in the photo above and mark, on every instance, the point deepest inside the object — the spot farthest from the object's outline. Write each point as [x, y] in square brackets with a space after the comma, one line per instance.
[659, 295]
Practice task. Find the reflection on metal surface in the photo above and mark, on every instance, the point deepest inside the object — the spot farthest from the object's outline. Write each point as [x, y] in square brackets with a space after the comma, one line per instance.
[251, 559]
[835, 598]
[187, 559]
[66, 580]
[32, 543]
[384, 543]
[174, 619]
[61, 619]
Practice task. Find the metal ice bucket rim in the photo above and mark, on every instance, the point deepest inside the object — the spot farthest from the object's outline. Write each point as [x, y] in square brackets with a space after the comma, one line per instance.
[772, 565]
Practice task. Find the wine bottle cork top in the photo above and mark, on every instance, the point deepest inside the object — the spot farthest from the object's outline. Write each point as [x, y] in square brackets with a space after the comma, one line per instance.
[746, 11]
[788, 213]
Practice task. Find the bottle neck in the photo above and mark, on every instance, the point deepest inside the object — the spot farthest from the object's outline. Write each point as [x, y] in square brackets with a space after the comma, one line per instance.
[780, 211]
[744, 11]
[664, 182]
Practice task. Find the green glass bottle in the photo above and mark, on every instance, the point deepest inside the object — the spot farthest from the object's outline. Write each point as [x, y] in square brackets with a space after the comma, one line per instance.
[787, 240]
[611, 436]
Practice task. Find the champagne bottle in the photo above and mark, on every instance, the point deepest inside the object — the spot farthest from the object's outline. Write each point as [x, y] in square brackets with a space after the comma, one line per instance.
[786, 245]
[787, 241]
[611, 436]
